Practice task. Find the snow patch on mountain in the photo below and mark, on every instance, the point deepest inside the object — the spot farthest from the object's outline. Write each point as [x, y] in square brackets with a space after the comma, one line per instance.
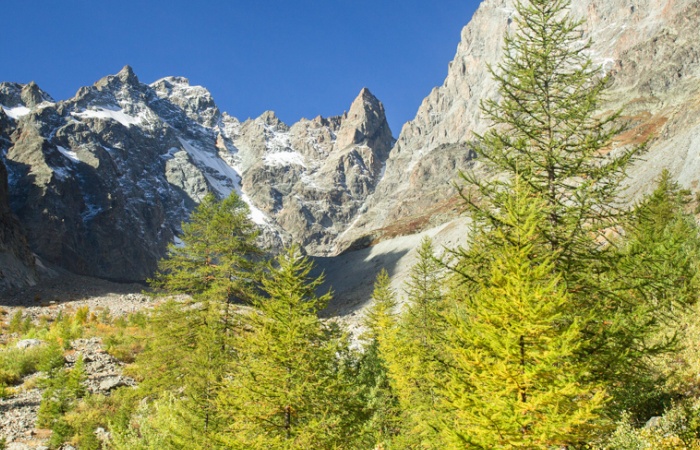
[16, 112]
[222, 177]
[117, 115]
[284, 159]
[68, 154]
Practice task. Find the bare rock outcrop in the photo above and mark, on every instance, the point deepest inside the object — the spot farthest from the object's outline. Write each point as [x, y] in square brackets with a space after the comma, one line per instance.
[313, 177]
[17, 262]
[101, 182]
[648, 46]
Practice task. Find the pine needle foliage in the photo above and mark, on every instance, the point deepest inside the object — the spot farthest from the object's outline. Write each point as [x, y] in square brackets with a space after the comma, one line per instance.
[549, 131]
[383, 421]
[218, 256]
[514, 379]
[186, 359]
[286, 389]
[550, 134]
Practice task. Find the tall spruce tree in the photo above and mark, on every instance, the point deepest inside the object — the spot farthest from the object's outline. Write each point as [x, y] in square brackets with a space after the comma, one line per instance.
[658, 267]
[286, 389]
[416, 357]
[217, 259]
[548, 129]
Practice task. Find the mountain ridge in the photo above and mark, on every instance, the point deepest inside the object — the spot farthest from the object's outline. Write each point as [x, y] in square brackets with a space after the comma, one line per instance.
[102, 181]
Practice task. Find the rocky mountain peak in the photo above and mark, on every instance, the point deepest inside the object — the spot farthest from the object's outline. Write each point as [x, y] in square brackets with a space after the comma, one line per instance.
[271, 119]
[365, 123]
[10, 94]
[196, 101]
[32, 95]
[125, 78]
[650, 51]
[127, 75]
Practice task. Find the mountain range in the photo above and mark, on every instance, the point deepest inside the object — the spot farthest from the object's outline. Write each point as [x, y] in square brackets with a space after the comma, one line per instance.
[99, 184]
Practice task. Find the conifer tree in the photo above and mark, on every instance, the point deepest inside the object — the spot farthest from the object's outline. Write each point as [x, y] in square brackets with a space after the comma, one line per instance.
[285, 389]
[186, 359]
[381, 316]
[415, 354]
[513, 377]
[663, 243]
[549, 131]
[381, 403]
[658, 267]
[217, 258]
[424, 290]
[550, 134]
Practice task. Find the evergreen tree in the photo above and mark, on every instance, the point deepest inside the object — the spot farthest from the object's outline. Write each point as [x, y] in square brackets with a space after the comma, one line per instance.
[285, 389]
[424, 290]
[415, 353]
[186, 359]
[663, 243]
[196, 422]
[513, 378]
[380, 317]
[217, 258]
[659, 270]
[548, 130]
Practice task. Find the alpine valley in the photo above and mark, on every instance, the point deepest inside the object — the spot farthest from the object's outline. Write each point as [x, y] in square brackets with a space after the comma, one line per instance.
[99, 184]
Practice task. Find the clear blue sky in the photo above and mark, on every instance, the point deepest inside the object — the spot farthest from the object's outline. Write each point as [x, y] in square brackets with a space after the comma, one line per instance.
[298, 58]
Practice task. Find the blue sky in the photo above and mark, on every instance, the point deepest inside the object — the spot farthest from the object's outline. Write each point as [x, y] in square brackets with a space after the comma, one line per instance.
[298, 58]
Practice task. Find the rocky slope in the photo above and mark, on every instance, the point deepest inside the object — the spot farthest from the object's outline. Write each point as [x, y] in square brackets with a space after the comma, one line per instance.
[101, 182]
[650, 47]
[17, 263]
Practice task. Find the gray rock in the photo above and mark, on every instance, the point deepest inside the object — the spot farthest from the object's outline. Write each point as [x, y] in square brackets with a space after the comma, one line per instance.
[18, 446]
[312, 178]
[29, 343]
[654, 422]
[654, 59]
[17, 264]
[111, 383]
[102, 182]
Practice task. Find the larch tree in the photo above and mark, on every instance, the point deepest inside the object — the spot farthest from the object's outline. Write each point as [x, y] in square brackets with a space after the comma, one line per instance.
[286, 389]
[658, 266]
[383, 421]
[513, 378]
[184, 363]
[549, 132]
[418, 345]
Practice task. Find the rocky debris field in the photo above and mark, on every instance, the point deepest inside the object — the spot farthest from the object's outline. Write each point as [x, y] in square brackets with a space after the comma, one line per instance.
[69, 291]
[18, 413]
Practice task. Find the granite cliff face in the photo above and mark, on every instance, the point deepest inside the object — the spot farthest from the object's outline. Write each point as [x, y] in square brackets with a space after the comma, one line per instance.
[101, 182]
[650, 47]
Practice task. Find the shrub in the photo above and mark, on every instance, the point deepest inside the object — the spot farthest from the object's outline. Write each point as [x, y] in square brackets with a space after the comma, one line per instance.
[16, 363]
[678, 428]
[81, 315]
